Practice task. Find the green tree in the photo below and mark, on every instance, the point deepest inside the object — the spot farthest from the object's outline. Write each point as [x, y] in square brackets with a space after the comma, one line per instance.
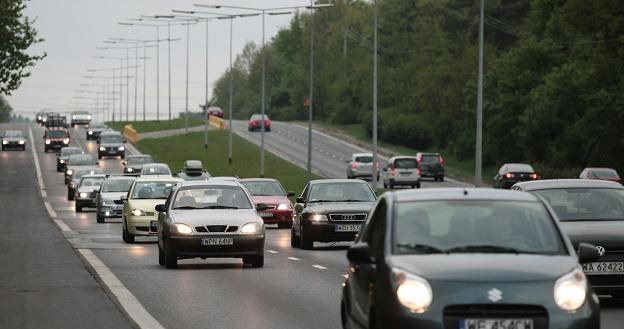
[5, 110]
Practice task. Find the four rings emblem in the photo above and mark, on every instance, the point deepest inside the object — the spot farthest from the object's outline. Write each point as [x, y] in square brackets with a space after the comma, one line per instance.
[347, 217]
[601, 250]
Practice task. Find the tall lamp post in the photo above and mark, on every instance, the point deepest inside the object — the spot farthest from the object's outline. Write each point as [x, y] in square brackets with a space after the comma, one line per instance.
[375, 54]
[479, 139]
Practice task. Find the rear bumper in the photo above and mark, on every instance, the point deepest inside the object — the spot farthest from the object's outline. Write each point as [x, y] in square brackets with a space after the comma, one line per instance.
[191, 247]
[80, 121]
[111, 154]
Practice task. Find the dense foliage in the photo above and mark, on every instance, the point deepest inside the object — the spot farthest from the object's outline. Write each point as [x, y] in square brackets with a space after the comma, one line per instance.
[5, 110]
[553, 85]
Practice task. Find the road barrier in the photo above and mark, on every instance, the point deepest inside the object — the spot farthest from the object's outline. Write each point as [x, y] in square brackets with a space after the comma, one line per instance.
[130, 134]
[217, 122]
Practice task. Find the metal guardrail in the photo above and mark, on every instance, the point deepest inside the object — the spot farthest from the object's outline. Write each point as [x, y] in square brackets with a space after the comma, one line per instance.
[130, 134]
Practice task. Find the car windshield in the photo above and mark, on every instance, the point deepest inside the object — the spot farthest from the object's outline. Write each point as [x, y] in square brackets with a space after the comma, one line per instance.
[430, 158]
[67, 151]
[80, 160]
[519, 168]
[117, 185]
[140, 160]
[475, 226]
[111, 139]
[13, 133]
[604, 174]
[341, 192]
[405, 163]
[152, 190]
[56, 134]
[155, 170]
[264, 188]
[91, 181]
[364, 159]
[585, 203]
[77, 175]
[211, 197]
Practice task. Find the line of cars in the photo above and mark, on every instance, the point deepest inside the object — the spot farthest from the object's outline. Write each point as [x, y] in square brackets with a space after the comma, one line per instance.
[511, 173]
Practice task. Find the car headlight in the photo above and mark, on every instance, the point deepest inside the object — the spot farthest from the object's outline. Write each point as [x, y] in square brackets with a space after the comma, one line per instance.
[47, 141]
[138, 212]
[318, 218]
[38, 118]
[121, 148]
[44, 119]
[82, 195]
[70, 172]
[183, 228]
[62, 161]
[73, 117]
[102, 148]
[4, 142]
[283, 206]
[571, 290]
[90, 132]
[251, 228]
[88, 117]
[412, 291]
[130, 169]
[66, 141]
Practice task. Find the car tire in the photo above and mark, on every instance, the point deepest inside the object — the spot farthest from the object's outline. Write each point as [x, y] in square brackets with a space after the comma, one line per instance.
[418, 184]
[171, 260]
[254, 261]
[126, 236]
[45, 149]
[70, 196]
[161, 256]
[306, 242]
[59, 169]
[441, 178]
[99, 218]
[78, 208]
[391, 184]
[294, 240]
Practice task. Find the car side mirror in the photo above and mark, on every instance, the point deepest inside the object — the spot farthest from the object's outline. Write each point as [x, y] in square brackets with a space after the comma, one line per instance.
[300, 200]
[124, 198]
[125, 141]
[262, 207]
[298, 208]
[360, 253]
[587, 253]
[161, 208]
[290, 194]
[98, 142]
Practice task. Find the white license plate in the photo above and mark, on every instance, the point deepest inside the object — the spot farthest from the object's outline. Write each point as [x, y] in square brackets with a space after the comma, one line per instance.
[265, 214]
[604, 268]
[348, 228]
[112, 152]
[217, 241]
[496, 324]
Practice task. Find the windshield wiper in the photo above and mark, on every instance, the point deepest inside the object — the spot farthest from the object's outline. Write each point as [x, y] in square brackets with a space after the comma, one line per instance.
[218, 207]
[354, 200]
[186, 207]
[317, 201]
[421, 247]
[487, 249]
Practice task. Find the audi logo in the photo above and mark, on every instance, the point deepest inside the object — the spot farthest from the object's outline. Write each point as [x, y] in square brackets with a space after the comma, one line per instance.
[347, 217]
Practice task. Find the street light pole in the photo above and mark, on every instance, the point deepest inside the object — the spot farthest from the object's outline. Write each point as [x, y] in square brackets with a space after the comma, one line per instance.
[374, 179]
[188, 28]
[262, 127]
[169, 65]
[231, 96]
[136, 77]
[144, 75]
[207, 81]
[478, 147]
[158, 73]
[311, 98]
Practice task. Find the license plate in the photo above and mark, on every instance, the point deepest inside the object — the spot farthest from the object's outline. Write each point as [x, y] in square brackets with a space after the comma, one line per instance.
[604, 268]
[496, 324]
[406, 173]
[348, 228]
[217, 241]
[112, 152]
[266, 214]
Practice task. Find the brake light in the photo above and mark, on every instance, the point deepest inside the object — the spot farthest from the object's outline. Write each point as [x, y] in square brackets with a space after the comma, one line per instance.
[441, 160]
[377, 165]
[253, 122]
[509, 175]
[418, 171]
[354, 165]
[392, 170]
[534, 176]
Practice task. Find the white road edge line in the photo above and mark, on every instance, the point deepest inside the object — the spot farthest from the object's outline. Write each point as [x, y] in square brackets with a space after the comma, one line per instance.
[320, 267]
[272, 252]
[119, 294]
[294, 258]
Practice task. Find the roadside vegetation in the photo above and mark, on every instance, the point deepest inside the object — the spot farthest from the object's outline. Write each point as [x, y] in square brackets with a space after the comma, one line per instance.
[149, 126]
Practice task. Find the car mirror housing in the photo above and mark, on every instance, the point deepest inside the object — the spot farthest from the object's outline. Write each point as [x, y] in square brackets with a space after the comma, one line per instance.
[360, 253]
[262, 207]
[587, 253]
[300, 200]
[290, 194]
[124, 198]
[298, 208]
[160, 208]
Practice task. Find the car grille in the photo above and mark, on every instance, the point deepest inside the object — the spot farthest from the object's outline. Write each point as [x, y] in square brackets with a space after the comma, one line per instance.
[453, 313]
[118, 201]
[347, 217]
[216, 228]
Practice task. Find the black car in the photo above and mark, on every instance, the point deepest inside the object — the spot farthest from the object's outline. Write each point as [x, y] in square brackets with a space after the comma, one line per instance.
[330, 210]
[77, 174]
[111, 143]
[13, 139]
[55, 139]
[87, 191]
[94, 130]
[108, 201]
[511, 173]
[590, 211]
[75, 161]
[431, 165]
[134, 163]
[466, 259]
[63, 156]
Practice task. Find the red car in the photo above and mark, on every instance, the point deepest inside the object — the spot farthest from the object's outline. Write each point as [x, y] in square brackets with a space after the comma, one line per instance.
[601, 174]
[255, 122]
[216, 111]
[270, 192]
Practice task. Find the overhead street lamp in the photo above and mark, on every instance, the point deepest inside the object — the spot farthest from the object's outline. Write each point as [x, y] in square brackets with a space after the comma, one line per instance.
[479, 139]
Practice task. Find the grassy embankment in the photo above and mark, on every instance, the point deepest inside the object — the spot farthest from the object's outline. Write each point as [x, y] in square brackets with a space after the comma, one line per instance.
[148, 126]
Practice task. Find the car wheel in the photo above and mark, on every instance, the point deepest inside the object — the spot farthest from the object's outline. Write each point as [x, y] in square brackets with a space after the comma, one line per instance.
[70, 196]
[294, 240]
[100, 219]
[441, 178]
[254, 261]
[418, 184]
[126, 236]
[171, 260]
[391, 184]
[161, 256]
[344, 317]
[78, 208]
[44, 149]
[306, 242]
[385, 184]
[59, 169]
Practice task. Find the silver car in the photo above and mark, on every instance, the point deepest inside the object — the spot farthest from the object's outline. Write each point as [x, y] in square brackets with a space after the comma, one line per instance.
[108, 202]
[401, 171]
[361, 166]
[156, 169]
[87, 191]
[210, 219]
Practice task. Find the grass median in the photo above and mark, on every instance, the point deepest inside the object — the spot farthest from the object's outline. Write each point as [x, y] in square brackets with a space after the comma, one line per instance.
[149, 126]
[245, 155]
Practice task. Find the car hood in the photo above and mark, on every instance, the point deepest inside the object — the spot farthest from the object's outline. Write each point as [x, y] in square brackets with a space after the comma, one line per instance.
[113, 195]
[339, 207]
[480, 267]
[111, 144]
[203, 217]
[146, 205]
[88, 189]
[13, 139]
[603, 233]
[270, 200]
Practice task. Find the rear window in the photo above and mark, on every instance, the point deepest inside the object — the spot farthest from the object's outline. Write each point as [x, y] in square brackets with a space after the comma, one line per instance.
[66, 151]
[81, 160]
[140, 160]
[430, 158]
[519, 168]
[604, 174]
[586, 203]
[364, 159]
[405, 163]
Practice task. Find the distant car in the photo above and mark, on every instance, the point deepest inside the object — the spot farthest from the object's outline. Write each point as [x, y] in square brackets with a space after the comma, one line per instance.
[270, 192]
[601, 174]
[13, 139]
[134, 163]
[330, 210]
[431, 165]
[590, 211]
[255, 122]
[466, 259]
[216, 111]
[109, 203]
[75, 161]
[361, 166]
[210, 219]
[193, 170]
[55, 139]
[63, 156]
[401, 171]
[77, 174]
[111, 143]
[87, 191]
[39, 117]
[94, 130]
[80, 118]
[511, 173]
[139, 216]
[155, 169]
[55, 120]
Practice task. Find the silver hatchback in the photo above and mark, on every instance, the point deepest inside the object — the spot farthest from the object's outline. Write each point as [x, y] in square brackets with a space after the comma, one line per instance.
[401, 171]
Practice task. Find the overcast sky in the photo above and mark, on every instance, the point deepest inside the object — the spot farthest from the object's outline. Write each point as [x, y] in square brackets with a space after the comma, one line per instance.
[72, 30]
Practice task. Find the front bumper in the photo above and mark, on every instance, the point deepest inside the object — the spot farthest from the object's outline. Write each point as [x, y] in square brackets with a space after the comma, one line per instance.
[85, 202]
[111, 152]
[107, 211]
[143, 225]
[14, 145]
[326, 231]
[191, 247]
[55, 145]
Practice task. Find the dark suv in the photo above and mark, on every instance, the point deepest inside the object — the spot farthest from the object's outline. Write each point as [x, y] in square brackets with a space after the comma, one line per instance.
[111, 143]
[55, 139]
[431, 165]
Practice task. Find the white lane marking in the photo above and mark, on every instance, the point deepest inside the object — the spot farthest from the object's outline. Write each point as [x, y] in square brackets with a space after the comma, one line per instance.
[320, 267]
[346, 276]
[272, 252]
[61, 224]
[294, 258]
[37, 167]
[50, 209]
[128, 302]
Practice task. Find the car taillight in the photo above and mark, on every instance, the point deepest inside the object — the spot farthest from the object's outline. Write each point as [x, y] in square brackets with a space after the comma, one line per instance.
[534, 176]
[418, 171]
[253, 122]
[354, 165]
[392, 170]
[377, 165]
[441, 160]
[509, 175]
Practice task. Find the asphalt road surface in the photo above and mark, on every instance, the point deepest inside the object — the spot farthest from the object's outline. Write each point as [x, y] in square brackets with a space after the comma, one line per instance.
[44, 284]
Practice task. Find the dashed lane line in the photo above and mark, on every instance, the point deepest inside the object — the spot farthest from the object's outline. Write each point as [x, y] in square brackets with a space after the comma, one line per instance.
[320, 267]
[293, 258]
[272, 251]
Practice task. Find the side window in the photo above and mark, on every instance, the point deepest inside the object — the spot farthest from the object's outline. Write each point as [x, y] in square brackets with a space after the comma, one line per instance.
[376, 229]
[304, 194]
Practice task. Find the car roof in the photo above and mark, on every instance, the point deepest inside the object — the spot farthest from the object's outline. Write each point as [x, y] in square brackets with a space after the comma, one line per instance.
[193, 164]
[600, 168]
[403, 157]
[155, 164]
[337, 180]
[82, 155]
[95, 176]
[457, 193]
[158, 178]
[209, 182]
[362, 154]
[258, 180]
[546, 184]
[120, 177]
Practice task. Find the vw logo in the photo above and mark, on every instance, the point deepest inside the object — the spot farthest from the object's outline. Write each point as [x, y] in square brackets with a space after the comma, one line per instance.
[601, 250]
[348, 217]
[495, 295]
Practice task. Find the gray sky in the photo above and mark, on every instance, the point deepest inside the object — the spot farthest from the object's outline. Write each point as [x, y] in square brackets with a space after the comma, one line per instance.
[72, 30]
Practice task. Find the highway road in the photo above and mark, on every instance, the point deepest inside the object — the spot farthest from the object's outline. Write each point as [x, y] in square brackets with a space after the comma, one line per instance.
[43, 279]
